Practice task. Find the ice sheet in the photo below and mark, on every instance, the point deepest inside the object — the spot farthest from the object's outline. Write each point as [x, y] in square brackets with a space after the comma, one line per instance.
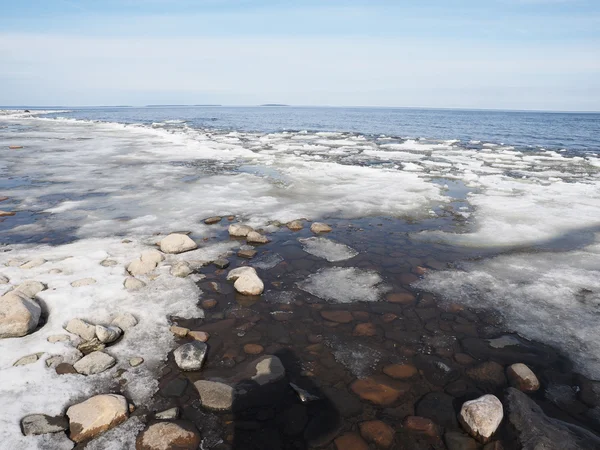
[326, 248]
[344, 285]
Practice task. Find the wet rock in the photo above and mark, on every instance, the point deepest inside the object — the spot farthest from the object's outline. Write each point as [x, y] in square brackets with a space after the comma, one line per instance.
[266, 369]
[190, 356]
[96, 415]
[256, 238]
[319, 227]
[95, 362]
[494, 445]
[303, 394]
[168, 436]
[404, 337]
[421, 425]
[201, 336]
[133, 284]
[125, 321]
[295, 225]
[365, 329]
[247, 253]
[214, 395]
[36, 262]
[180, 332]
[7, 213]
[239, 230]
[438, 407]
[212, 220]
[19, 315]
[377, 432]
[436, 370]
[180, 269]
[376, 390]
[109, 334]
[345, 403]
[350, 441]
[389, 317]
[481, 417]
[209, 303]
[30, 288]
[463, 359]
[400, 371]
[522, 378]
[535, 430]
[82, 329]
[246, 280]
[253, 349]
[29, 359]
[174, 388]
[136, 361]
[322, 429]
[337, 316]
[177, 243]
[488, 376]
[83, 282]
[401, 298]
[510, 350]
[168, 414]
[459, 441]
[65, 369]
[35, 424]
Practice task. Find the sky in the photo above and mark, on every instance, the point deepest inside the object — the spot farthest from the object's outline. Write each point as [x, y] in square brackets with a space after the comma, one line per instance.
[497, 54]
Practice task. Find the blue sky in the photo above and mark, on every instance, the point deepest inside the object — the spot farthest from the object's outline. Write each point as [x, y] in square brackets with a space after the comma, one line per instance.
[507, 54]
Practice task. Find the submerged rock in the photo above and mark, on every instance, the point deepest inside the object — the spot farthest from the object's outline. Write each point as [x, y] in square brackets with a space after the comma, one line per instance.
[177, 243]
[350, 441]
[377, 432]
[96, 415]
[190, 356]
[481, 417]
[376, 390]
[246, 280]
[169, 436]
[35, 424]
[19, 315]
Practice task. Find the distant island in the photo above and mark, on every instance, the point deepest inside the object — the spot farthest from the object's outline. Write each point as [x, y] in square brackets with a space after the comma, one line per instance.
[176, 106]
[274, 104]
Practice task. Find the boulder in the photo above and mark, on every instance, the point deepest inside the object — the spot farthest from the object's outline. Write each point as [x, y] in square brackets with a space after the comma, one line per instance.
[35, 424]
[19, 315]
[83, 282]
[481, 417]
[124, 321]
[295, 225]
[94, 362]
[109, 334]
[190, 356]
[377, 432]
[319, 227]
[256, 238]
[214, 395]
[534, 430]
[82, 329]
[169, 436]
[30, 288]
[246, 280]
[521, 377]
[181, 269]
[139, 267]
[133, 284]
[239, 230]
[96, 415]
[177, 243]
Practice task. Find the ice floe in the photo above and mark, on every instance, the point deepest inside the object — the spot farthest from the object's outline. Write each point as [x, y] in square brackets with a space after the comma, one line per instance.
[344, 285]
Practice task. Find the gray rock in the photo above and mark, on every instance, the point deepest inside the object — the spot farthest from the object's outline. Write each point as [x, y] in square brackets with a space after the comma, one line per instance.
[177, 243]
[35, 424]
[29, 359]
[537, 431]
[82, 329]
[221, 263]
[264, 370]
[88, 347]
[95, 362]
[481, 417]
[106, 335]
[136, 361]
[124, 321]
[3, 279]
[30, 288]
[256, 238]
[59, 338]
[109, 263]
[319, 227]
[214, 395]
[19, 315]
[190, 356]
[246, 280]
[239, 230]
[133, 284]
[168, 414]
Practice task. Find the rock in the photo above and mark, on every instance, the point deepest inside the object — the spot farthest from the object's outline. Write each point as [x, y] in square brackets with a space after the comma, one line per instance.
[239, 230]
[168, 414]
[322, 428]
[295, 419]
[168, 436]
[3, 198]
[377, 432]
[253, 349]
[6, 213]
[221, 263]
[494, 445]
[256, 238]
[29, 359]
[377, 391]
[209, 303]
[247, 253]
[108, 263]
[350, 441]
[95, 362]
[319, 227]
[55, 360]
[58, 338]
[180, 269]
[266, 369]
[4, 280]
[30, 288]
[214, 395]
[295, 225]
[65, 369]
[109, 334]
[82, 329]
[522, 378]
[509, 349]
[201, 336]
[459, 441]
[35, 424]
[136, 361]
[93, 345]
[246, 280]
[488, 376]
[438, 407]
[133, 284]
[33, 263]
[96, 415]
[83, 282]
[400, 371]
[180, 332]
[190, 356]
[125, 321]
[401, 298]
[212, 220]
[139, 267]
[19, 315]
[337, 316]
[463, 359]
[303, 394]
[365, 329]
[421, 425]
[481, 417]
[177, 243]
[345, 403]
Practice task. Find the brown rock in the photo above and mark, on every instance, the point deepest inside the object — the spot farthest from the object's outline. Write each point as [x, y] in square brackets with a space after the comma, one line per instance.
[400, 371]
[377, 390]
[421, 425]
[420, 270]
[212, 220]
[350, 441]
[96, 415]
[168, 436]
[253, 349]
[401, 298]
[488, 375]
[3, 198]
[389, 317]
[209, 303]
[315, 338]
[365, 329]
[6, 213]
[464, 359]
[361, 315]
[337, 316]
[201, 336]
[15, 147]
[522, 378]
[408, 278]
[378, 432]
[248, 254]
[179, 331]
[65, 369]
[295, 225]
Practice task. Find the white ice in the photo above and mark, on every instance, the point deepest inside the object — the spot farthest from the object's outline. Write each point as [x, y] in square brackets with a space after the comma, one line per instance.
[344, 285]
[327, 249]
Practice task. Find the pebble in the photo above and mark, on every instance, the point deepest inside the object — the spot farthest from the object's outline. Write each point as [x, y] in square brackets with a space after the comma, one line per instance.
[253, 349]
[521, 377]
[221, 263]
[214, 395]
[246, 280]
[212, 220]
[350, 441]
[65, 369]
[19, 315]
[400, 371]
[177, 243]
[256, 238]
[58, 338]
[401, 298]
[377, 432]
[109, 334]
[201, 336]
[246, 253]
[29, 359]
[82, 329]
[376, 391]
[209, 303]
[133, 284]
[481, 417]
[96, 415]
[35, 424]
[180, 269]
[319, 227]
[239, 230]
[168, 436]
[190, 356]
[168, 414]
[125, 321]
[94, 362]
[365, 329]
[337, 316]
[295, 225]
[136, 361]
[421, 425]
